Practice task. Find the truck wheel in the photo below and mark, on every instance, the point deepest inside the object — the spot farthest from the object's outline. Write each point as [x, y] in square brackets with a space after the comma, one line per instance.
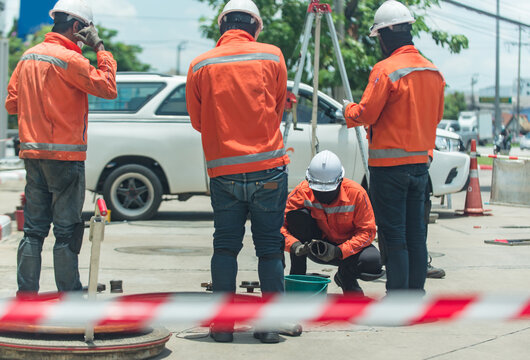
[132, 192]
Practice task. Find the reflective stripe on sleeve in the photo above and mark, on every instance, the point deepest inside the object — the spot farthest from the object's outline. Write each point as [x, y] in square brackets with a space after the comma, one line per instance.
[236, 58]
[398, 74]
[46, 58]
[393, 153]
[243, 159]
[52, 147]
[331, 209]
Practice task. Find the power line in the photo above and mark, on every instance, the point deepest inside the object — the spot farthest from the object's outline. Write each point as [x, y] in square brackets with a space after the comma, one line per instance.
[482, 12]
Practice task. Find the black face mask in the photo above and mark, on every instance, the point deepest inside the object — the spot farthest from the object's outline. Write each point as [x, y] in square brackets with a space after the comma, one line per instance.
[239, 21]
[390, 40]
[327, 197]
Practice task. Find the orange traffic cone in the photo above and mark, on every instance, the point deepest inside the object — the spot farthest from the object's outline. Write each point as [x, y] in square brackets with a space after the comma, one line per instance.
[473, 198]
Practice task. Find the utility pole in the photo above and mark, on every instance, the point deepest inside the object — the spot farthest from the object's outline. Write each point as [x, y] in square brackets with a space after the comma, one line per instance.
[474, 80]
[4, 64]
[518, 82]
[180, 47]
[497, 73]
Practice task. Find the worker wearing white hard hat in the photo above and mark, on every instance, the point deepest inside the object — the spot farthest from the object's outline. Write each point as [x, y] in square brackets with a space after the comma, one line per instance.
[329, 219]
[48, 91]
[401, 106]
[235, 95]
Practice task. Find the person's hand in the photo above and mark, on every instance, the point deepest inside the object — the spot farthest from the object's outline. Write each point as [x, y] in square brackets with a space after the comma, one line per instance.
[89, 35]
[345, 104]
[324, 250]
[299, 249]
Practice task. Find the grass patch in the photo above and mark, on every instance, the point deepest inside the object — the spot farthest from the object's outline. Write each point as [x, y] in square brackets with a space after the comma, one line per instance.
[485, 160]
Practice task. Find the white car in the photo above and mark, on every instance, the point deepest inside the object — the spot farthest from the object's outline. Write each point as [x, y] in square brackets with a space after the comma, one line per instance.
[141, 146]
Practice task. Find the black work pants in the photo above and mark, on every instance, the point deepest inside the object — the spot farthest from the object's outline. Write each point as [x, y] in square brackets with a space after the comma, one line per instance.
[303, 227]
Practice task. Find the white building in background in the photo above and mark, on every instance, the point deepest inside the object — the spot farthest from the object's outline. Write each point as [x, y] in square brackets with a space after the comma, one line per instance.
[508, 96]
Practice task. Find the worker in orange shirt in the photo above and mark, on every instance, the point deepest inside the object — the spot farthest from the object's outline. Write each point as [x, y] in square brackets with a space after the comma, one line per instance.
[329, 219]
[402, 105]
[48, 90]
[235, 95]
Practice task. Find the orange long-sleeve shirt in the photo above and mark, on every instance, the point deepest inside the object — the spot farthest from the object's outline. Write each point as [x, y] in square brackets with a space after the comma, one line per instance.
[48, 90]
[348, 221]
[235, 95]
[402, 105]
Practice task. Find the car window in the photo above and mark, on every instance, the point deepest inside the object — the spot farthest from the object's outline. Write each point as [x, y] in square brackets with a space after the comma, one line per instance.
[131, 97]
[304, 110]
[175, 103]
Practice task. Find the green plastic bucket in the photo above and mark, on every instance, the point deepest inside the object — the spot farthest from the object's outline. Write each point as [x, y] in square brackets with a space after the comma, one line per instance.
[306, 283]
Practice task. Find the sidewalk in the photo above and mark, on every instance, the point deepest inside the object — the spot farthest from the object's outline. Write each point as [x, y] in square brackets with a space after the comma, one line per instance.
[172, 253]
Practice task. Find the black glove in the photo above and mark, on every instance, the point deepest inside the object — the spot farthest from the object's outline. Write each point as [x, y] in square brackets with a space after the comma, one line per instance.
[324, 250]
[89, 35]
[300, 249]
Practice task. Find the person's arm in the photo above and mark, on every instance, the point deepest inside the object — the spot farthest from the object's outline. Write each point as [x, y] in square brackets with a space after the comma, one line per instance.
[281, 92]
[193, 100]
[442, 99]
[11, 103]
[372, 102]
[364, 222]
[100, 82]
[295, 201]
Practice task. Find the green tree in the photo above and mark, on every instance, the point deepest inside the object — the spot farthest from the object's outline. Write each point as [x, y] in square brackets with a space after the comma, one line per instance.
[454, 103]
[284, 22]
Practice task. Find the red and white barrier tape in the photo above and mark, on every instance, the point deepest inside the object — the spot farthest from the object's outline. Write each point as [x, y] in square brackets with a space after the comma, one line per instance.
[505, 157]
[170, 309]
[1, 140]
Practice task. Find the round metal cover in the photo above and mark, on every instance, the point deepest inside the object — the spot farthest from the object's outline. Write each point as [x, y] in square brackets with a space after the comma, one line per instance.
[166, 250]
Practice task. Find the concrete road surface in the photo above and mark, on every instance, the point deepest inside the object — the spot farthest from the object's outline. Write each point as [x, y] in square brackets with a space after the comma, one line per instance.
[172, 253]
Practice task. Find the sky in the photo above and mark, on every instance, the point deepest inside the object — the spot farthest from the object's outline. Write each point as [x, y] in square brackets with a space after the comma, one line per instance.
[159, 26]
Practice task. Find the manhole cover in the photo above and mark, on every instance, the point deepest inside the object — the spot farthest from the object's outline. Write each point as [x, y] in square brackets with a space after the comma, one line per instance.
[172, 224]
[165, 250]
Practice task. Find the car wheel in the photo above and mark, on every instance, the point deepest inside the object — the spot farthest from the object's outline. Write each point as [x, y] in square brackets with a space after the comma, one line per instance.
[132, 192]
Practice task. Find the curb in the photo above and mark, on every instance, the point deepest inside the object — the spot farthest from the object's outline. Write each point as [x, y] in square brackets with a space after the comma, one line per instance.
[5, 226]
[485, 167]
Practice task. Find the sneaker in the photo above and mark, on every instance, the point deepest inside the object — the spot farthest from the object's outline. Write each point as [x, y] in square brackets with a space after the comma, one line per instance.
[268, 337]
[433, 272]
[221, 336]
[352, 288]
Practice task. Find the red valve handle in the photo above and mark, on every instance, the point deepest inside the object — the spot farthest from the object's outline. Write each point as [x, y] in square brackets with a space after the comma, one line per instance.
[102, 207]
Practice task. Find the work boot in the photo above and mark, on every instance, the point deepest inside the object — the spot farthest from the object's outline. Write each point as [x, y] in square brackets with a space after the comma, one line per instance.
[434, 272]
[222, 335]
[267, 337]
[351, 286]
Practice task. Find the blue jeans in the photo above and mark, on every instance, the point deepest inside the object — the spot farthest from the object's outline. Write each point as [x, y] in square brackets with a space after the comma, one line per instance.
[55, 192]
[398, 198]
[263, 195]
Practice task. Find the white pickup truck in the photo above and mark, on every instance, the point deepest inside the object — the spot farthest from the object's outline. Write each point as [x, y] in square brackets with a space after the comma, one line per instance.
[141, 146]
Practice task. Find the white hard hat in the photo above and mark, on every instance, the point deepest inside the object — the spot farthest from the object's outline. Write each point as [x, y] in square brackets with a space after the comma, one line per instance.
[392, 12]
[246, 6]
[325, 172]
[77, 9]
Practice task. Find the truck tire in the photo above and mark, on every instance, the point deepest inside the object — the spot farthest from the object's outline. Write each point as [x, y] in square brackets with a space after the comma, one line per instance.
[132, 192]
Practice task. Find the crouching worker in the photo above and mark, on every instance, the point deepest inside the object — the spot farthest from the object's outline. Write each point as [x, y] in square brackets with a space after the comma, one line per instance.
[330, 220]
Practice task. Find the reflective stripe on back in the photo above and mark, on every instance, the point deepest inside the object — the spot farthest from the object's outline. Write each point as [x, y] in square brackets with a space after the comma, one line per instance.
[243, 159]
[46, 58]
[52, 147]
[393, 153]
[236, 58]
[399, 73]
[332, 209]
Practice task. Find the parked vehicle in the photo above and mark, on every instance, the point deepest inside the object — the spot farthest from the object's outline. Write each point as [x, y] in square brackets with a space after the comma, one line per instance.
[524, 144]
[466, 134]
[485, 127]
[141, 146]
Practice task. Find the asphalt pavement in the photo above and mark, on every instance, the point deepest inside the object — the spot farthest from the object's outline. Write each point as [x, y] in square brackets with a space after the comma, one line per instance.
[171, 253]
